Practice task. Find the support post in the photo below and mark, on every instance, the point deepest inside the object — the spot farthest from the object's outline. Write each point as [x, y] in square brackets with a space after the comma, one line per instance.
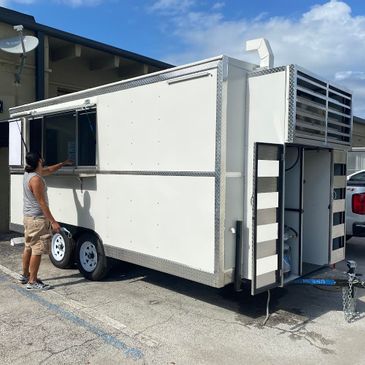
[238, 263]
[39, 77]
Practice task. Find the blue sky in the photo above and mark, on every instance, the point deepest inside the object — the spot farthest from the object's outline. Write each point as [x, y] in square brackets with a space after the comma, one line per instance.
[326, 37]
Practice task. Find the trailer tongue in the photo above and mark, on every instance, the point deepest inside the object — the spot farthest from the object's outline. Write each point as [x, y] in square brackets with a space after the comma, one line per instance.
[350, 281]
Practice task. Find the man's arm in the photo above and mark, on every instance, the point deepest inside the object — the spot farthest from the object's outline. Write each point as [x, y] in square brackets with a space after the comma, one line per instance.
[51, 169]
[36, 185]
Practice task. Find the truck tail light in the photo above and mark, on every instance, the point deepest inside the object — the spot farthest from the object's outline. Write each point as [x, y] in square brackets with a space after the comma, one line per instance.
[358, 203]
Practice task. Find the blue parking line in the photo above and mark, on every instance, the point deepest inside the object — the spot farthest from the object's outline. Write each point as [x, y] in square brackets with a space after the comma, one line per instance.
[130, 352]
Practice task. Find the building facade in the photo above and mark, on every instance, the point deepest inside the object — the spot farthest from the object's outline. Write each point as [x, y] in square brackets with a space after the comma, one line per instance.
[62, 63]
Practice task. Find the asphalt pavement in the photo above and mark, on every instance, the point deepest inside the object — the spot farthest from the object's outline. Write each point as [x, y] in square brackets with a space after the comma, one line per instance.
[141, 316]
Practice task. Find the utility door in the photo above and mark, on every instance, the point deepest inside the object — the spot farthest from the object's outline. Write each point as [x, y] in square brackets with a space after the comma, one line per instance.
[267, 217]
[338, 207]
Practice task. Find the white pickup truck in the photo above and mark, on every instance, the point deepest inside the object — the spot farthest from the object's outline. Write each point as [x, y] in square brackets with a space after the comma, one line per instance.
[355, 194]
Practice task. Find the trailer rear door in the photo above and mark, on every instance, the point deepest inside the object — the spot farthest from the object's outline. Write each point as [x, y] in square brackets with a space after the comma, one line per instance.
[267, 217]
[338, 207]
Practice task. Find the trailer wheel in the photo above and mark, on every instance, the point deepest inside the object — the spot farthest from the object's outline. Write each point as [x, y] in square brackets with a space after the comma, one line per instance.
[91, 259]
[61, 251]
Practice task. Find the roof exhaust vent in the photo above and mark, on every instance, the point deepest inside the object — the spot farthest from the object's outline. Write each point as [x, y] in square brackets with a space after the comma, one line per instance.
[262, 46]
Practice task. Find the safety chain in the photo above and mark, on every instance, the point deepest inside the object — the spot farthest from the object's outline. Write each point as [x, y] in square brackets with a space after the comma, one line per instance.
[349, 299]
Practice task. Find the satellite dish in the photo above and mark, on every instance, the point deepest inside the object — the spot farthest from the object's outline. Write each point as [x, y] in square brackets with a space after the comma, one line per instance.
[14, 45]
[19, 45]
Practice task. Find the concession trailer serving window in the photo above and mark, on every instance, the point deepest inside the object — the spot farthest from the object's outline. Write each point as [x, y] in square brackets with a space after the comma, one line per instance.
[67, 135]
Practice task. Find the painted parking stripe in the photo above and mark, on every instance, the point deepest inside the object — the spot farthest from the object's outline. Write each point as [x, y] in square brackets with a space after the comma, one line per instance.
[134, 335]
[144, 340]
[8, 272]
[130, 352]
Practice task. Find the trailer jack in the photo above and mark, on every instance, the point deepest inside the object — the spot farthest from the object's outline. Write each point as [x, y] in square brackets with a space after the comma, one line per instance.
[349, 282]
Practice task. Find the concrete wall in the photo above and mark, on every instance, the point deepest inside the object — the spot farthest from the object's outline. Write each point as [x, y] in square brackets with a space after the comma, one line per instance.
[4, 190]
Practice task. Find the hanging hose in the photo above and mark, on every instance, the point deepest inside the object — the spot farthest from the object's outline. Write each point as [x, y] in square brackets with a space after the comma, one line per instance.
[21, 136]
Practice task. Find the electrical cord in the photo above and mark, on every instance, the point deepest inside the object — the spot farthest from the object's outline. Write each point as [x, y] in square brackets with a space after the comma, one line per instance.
[90, 124]
[296, 161]
[21, 136]
[267, 308]
[336, 290]
[293, 230]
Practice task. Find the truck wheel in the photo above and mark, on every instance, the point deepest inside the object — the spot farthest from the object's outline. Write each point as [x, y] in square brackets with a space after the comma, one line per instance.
[61, 251]
[91, 259]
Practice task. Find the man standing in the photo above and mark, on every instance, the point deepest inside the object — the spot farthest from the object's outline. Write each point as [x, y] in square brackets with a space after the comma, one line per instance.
[38, 219]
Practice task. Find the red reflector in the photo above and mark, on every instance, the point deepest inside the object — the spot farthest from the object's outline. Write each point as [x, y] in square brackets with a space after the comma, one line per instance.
[358, 203]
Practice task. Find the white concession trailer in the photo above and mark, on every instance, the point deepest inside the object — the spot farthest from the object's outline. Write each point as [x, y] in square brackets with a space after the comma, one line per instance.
[217, 171]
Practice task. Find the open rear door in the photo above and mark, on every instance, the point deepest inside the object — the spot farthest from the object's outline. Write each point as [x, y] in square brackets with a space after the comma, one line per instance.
[267, 217]
[338, 207]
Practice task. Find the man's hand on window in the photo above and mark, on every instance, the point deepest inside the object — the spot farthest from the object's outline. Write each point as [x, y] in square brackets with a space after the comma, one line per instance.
[68, 163]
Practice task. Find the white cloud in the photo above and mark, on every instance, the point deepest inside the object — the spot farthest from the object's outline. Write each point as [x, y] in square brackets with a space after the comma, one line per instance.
[218, 5]
[350, 75]
[354, 80]
[3, 3]
[327, 40]
[76, 3]
[26, 2]
[169, 7]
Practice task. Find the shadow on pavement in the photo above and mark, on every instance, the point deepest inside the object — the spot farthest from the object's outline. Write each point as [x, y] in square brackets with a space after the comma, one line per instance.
[292, 303]
[304, 302]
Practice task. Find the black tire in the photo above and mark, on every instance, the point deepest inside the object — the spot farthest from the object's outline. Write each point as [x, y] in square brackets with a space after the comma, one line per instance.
[62, 250]
[90, 257]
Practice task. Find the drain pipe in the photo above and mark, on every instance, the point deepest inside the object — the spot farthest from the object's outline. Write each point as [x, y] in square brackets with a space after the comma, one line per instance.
[263, 48]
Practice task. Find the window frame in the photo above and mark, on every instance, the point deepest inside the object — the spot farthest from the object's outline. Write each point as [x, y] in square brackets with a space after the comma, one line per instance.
[76, 166]
[355, 179]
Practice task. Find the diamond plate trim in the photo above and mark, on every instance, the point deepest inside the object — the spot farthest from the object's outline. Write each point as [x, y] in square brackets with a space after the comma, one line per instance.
[122, 85]
[219, 252]
[163, 265]
[292, 102]
[93, 173]
[158, 173]
[266, 71]
[253, 208]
